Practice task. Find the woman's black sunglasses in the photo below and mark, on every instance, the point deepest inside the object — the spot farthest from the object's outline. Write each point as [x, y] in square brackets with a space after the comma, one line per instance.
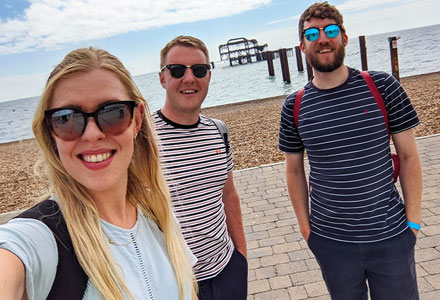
[69, 123]
[178, 70]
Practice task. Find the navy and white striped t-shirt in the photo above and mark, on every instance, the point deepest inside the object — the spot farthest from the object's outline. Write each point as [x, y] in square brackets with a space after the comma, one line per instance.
[353, 198]
[196, 166]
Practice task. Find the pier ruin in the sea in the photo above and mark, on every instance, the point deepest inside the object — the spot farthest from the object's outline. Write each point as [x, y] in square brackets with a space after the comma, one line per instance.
[240, 51]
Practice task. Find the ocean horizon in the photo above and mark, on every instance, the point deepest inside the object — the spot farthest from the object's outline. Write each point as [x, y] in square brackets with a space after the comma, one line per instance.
[416, 51]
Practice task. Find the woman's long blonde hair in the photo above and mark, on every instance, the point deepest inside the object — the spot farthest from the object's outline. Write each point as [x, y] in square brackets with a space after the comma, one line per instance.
[146, 188]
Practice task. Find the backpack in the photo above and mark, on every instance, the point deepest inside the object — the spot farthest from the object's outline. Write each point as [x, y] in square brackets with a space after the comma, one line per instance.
[70, 279]
[380, 102]
[221, 126]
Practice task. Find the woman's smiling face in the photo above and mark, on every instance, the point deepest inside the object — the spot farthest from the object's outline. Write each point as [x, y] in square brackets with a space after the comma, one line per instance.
[96, 160]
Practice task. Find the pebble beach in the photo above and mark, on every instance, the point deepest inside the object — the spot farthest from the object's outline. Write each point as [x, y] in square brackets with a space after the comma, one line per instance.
[253, 127]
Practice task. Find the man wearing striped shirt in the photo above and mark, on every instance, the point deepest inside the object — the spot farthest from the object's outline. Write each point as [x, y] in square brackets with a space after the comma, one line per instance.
[358, 226]
[198, 168]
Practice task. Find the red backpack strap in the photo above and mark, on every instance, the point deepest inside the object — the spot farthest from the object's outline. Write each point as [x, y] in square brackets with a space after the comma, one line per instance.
[377, 96]
[379, 100]
[296, 107]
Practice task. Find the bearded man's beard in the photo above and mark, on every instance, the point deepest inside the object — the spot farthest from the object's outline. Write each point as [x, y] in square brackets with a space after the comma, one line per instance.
[337, 62]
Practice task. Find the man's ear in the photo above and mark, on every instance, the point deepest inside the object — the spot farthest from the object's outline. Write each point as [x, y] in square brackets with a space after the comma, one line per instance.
[345, 39]
[162, 80]
[209, 75]
[302, 46]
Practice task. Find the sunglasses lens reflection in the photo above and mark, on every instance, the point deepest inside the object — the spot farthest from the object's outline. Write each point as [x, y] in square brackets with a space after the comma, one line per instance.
[67, 123]
[332, 31]
[311, 34]
[114, 118]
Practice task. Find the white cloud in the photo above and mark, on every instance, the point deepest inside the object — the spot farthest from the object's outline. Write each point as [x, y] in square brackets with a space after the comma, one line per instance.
[290, 19]
[411, 14]
[47, 24]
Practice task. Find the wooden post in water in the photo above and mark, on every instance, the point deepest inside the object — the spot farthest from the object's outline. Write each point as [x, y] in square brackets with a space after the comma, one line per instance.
[284, 65]
[299, 61]
[309, 71]
[363, 50]
[394, 57]
[269, 58]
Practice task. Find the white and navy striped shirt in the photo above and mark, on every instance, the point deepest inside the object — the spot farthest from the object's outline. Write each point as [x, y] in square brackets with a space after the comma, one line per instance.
[353, 198]
[196, 167]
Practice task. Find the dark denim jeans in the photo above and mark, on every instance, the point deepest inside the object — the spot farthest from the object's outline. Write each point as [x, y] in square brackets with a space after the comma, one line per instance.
[229, 284]
[388, 266]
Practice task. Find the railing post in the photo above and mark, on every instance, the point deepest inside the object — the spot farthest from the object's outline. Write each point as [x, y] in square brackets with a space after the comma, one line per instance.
[284, 65]
[394, 57]
[299, 61]
[363, 51]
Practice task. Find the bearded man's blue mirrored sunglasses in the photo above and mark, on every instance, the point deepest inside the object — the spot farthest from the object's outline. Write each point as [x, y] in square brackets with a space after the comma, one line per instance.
[312, 33]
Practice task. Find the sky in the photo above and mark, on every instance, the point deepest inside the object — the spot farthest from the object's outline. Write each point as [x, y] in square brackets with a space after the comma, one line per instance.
[35, 35]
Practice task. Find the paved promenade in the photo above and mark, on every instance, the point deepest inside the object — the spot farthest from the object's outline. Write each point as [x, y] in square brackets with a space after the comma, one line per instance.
[281, 266]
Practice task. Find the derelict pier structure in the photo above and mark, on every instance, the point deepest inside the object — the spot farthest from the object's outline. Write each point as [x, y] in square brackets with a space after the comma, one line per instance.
[241, 51]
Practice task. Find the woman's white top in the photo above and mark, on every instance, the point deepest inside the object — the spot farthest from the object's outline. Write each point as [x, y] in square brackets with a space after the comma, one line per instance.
[140, 252]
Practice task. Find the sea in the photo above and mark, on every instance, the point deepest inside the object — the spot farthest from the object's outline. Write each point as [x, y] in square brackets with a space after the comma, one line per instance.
[418, 50]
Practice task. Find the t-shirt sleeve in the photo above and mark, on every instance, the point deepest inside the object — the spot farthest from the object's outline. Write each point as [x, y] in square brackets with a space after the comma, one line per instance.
[230, 162]
[289, 140]
[33, 242]
[401, 113]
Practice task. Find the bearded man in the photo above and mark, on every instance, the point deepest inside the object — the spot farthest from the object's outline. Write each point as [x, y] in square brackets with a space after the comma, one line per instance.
[358, 226]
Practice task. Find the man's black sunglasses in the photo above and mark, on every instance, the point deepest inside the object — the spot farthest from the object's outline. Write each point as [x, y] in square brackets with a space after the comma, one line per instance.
[178, 70]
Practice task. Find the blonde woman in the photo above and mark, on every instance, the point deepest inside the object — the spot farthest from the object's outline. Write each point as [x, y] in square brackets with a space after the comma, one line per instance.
[108, 231]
